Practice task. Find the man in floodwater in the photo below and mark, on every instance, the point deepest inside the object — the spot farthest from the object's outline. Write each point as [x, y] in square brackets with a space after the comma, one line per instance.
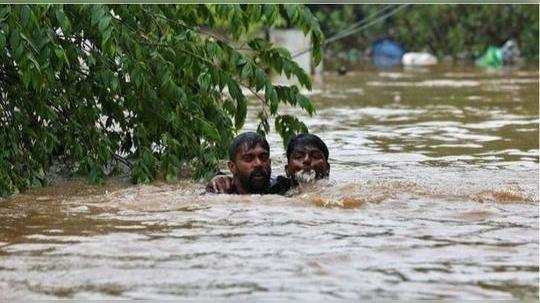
[307, 160]
[249, 163]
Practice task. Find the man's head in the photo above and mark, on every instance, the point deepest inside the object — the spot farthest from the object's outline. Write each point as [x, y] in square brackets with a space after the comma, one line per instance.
[249, 156]
[307, 158]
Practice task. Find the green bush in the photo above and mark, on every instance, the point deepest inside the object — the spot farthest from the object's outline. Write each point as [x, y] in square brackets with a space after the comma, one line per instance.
[85, 85]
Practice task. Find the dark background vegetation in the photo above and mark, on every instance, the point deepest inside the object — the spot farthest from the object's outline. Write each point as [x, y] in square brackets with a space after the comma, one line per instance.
[454, 30]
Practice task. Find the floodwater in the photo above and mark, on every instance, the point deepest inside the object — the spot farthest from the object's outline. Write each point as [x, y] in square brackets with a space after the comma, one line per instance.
[433, 194]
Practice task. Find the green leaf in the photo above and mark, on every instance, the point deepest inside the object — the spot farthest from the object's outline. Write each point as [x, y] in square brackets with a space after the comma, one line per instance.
[19, 51]
[288, 126]
[33, 60]
[63, 20]
[255, 13]
[14, 39]
[303, 78]
[241, 112]
[209, 129]
[32, 45]
[204, 80]
[61, 54]
[97, 12]
[106, 35]
[306, 104]
[5, 11]
[104, 23]
[2, 40]
[25, 15]
[246, 71]
[271, 98]
[270, 12]
[260, 78]
[241, 103]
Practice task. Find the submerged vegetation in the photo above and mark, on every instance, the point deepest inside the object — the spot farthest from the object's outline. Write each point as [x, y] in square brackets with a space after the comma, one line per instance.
[93, 85]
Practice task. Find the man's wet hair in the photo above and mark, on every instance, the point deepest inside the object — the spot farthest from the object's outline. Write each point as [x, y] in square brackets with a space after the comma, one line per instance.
[250, 140]
[306, 140]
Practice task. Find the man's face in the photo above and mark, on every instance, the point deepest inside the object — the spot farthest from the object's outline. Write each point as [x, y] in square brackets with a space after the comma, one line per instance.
[307, 162]
[251, 167]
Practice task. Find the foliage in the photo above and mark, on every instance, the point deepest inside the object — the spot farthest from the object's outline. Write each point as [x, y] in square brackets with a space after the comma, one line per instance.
[444, 29]
[88, 85]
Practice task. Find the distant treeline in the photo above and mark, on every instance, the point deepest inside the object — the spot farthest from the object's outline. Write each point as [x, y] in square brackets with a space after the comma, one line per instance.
[460, 31]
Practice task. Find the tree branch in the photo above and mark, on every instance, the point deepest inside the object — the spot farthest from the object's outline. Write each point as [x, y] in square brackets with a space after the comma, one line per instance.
[119, 158]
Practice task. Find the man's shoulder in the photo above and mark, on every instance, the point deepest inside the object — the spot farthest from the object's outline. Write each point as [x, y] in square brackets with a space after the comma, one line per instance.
[280, 185]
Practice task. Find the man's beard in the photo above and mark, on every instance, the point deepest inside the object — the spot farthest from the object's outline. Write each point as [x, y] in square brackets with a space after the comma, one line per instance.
[255, 185]
[308, 176]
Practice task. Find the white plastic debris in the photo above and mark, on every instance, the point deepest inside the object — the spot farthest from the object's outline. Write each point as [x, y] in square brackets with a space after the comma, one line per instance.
[418, 59]
[510, 52]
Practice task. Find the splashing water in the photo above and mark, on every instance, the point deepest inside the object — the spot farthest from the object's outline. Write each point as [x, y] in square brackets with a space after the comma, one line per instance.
[305, 176]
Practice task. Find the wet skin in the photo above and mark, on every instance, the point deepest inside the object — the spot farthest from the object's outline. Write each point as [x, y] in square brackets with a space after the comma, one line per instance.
[304, 157]
[251, 171]
[307, 158]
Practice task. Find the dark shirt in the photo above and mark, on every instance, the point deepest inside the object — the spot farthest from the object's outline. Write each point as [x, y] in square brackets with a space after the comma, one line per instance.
[280, 185]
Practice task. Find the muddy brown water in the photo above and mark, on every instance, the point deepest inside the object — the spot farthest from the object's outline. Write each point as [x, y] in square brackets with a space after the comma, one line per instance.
[433, 194]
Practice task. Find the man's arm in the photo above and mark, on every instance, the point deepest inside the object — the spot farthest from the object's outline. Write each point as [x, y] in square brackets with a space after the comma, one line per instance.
[220, 184]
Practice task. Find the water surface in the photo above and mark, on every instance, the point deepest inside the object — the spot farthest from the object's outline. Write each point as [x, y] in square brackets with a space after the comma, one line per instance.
[433, 194]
